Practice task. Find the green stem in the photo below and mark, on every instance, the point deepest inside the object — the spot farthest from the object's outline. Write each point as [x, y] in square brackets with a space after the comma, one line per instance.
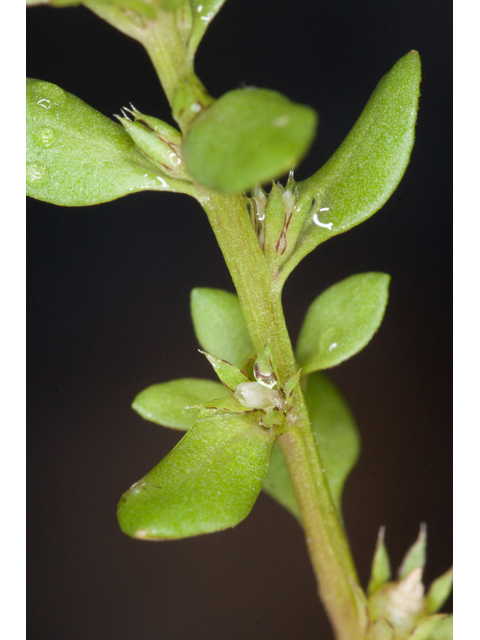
[260, 298]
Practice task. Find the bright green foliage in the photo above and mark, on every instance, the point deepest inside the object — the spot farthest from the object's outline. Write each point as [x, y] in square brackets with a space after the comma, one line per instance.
[444, 629]
[220, 326]
[342, 320]
[247, 137]
[230, 375]
[367, 167]
[167, 403]
[76, 156]
[439, 591]
[425, 628]
[208, 482]
[381, 571]
[416, 556]
[203, 12]
[337, 439]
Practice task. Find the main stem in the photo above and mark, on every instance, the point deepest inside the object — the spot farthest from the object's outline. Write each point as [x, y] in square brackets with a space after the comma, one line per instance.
[260, 298]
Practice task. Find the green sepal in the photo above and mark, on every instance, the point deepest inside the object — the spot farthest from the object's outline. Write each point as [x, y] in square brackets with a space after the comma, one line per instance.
[367, 167]
[381, 571]
[76, 156]
[337, 439]
[158, 141]
[444, 629]
[416, 556]
[439, 592]
[220, 326]
[247, 137]
[208, 482]
[169, 403]
[342, 320]
[426, 627]
[229, 404]
[230, 375]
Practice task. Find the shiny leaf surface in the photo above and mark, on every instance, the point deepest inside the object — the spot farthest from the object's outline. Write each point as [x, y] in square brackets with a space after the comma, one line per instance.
[208, 482]
[342, 320]
[367, 167]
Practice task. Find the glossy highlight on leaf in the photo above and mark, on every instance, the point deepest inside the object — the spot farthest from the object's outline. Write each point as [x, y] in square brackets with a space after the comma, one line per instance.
[220, 326]
[367, 167]
[167, 403]
[246, 137]
[76, 156]
[337, 439]
[342, 320]
[208, 482]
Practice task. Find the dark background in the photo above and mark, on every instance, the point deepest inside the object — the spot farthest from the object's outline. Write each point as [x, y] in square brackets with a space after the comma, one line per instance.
[108, 315]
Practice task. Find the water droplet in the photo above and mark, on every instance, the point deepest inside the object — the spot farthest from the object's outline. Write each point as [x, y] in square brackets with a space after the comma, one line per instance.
[44, 103]
[45, 138]
[36, 174]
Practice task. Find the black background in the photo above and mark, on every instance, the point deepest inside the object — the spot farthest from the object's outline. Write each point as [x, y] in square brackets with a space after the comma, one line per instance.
[108, 315]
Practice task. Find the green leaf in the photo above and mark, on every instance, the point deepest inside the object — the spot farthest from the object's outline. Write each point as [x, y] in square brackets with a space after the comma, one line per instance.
[416, 556]
[342, 320]
[246, 137]
[220, 326]
[230, 375]
[203, 12]
[337, 439]
[381, 571]
[76, 156]
[208, 482]
[444, 629]
[367, 167]
[166, 403]
[439, 591]
[426, 627]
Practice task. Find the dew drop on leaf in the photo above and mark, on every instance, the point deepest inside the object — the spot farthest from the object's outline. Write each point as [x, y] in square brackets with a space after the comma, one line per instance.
[45, 138]
[36, 174]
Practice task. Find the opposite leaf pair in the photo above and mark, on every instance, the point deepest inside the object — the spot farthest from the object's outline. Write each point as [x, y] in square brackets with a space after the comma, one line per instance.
[233, 427]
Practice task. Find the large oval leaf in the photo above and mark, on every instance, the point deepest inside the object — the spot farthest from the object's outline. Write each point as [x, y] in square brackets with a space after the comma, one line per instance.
[208, 482]
[167, 403]
[342, 320]
[220, 326]
[367, 167]
[337, 439]
[248, 136]
[76, 156]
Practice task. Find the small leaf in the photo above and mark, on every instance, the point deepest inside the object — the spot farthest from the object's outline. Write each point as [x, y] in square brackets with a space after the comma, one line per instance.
[426, 627]
[76, 156]
[439, 591]
[208, 482]
[220, 326]
[246, 137]
[166, 403]
[444, 629]
[381, 571]
[342, 320]
[230, 375]
[203, 12]
[416, 556]
[337, 439]
[368, 166]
